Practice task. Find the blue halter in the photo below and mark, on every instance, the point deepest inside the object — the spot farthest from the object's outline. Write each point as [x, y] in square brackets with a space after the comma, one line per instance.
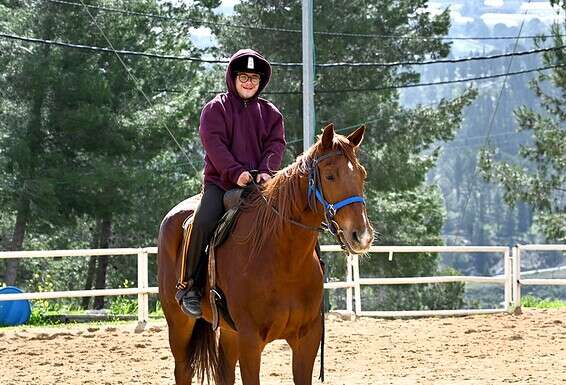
[330, 209]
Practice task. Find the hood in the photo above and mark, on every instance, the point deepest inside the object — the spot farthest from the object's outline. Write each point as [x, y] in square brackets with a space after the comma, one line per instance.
[260, 64]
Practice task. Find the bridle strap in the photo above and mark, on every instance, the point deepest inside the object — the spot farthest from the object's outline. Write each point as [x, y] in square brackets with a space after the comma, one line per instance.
[314, 193]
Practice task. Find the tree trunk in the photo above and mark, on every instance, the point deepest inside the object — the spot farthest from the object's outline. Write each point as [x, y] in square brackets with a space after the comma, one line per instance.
[91, 270]
[89, 280]
[17, 239]
[105, 234]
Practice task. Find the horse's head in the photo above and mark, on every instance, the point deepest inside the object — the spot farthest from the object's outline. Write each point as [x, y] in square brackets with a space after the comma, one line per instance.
[337, 183]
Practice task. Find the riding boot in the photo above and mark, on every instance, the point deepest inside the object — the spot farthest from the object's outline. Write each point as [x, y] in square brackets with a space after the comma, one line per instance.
[191, 296]
[190, 303]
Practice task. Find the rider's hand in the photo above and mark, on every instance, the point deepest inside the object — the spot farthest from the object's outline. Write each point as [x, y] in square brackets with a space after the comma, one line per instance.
[244, 179]
[262, 177]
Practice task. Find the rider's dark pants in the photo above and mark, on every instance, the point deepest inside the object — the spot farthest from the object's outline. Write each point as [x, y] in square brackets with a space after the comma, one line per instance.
[208, 214]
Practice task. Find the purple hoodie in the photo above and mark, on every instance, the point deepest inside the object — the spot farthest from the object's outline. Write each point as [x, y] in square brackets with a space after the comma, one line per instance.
[241, 135]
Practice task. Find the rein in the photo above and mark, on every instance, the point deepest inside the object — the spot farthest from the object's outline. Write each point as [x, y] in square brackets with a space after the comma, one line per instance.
[293, 222]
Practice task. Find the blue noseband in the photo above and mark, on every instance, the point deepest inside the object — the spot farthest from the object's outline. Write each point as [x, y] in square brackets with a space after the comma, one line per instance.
[330, 209]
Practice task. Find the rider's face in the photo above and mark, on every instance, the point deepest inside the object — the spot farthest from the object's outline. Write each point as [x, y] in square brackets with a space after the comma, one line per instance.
[247, 84]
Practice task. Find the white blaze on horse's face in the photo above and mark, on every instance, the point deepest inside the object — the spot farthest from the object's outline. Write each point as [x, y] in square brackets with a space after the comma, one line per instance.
[343, 177]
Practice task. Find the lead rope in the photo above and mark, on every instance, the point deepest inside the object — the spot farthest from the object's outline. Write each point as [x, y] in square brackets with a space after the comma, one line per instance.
[321, 375]
[322, 307]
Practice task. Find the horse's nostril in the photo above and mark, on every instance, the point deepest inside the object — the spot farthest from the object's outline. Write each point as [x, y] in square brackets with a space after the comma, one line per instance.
[355, 236]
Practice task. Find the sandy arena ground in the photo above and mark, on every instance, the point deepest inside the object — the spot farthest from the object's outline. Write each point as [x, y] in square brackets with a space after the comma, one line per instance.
[484, 349]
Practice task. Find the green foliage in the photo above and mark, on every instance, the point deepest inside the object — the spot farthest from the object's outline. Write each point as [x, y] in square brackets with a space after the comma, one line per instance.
[412, 217]
[540, 178]
[41, 308]
[81, 147]
[39, 313]
[158, 311]
[445, 296]
[80, 144]
[540, 303]
[124, 304]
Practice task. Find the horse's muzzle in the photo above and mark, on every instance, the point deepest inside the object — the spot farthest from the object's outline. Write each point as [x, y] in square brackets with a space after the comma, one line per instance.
[360, 240]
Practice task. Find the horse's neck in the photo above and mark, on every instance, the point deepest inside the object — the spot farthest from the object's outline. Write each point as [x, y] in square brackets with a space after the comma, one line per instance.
[300, 222]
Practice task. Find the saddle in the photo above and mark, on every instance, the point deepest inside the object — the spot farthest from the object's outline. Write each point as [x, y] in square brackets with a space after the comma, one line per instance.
[232, 201]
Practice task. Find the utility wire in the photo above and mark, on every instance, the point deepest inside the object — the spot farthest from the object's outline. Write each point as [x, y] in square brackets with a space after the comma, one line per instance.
[137, 84]
[441, 61]
[441, 82]
[107, 50]
[492, 117]
[291, 30]
[277, 64]
[444, 82]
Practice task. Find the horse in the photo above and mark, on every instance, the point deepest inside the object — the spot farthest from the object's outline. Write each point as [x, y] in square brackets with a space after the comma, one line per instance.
[267, 267]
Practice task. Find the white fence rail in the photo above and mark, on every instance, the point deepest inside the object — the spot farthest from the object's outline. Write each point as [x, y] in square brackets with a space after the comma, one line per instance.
[518, 282]
[354, 282]
[511, 279]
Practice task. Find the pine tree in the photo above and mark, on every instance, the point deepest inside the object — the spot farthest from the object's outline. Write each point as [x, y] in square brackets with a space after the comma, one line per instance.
[540, 179]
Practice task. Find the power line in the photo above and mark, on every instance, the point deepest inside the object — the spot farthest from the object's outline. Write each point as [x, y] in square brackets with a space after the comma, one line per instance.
[492, 117]
[107, 50]
[442, 82]
[292, 30]
[443, 61]
[277, 64]
[137, 84]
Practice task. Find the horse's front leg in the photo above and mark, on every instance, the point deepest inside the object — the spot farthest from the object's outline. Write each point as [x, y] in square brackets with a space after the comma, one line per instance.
[304, 350]
[250, 349]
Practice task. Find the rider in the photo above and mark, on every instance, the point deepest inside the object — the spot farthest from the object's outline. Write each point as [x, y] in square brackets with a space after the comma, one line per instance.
[240, 132]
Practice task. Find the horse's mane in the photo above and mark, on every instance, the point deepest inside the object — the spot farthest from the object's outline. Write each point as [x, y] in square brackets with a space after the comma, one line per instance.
[284, 195]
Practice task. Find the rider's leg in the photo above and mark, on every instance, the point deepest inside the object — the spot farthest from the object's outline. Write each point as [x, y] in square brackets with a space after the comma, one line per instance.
[207, 216]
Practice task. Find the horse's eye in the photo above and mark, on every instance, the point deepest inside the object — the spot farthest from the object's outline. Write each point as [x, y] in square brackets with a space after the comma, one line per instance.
[330, 177]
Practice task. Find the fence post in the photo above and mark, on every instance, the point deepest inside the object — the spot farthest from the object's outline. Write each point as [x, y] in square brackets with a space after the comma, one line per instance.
[349, 299]
[143, 284]
[508, 271]
[357, 287]
[517, 279]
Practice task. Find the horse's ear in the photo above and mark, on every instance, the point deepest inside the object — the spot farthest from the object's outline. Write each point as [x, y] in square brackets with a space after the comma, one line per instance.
[327, 136]
[357, 136]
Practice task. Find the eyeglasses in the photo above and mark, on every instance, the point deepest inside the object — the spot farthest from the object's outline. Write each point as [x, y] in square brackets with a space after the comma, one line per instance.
[253, 78]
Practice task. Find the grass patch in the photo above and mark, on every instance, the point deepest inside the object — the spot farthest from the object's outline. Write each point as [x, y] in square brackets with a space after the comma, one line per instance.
[539, 303]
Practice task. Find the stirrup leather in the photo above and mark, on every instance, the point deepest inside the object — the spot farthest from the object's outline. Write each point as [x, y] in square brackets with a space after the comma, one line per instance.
[182, 283]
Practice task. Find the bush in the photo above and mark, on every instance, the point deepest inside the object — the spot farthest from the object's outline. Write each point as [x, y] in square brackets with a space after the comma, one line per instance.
[540, 303]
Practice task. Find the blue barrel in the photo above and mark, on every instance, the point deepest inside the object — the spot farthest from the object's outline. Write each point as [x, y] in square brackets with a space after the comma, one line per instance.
[14, 312]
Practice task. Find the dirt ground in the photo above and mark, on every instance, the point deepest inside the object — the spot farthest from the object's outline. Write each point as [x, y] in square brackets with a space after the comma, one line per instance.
[483, 349]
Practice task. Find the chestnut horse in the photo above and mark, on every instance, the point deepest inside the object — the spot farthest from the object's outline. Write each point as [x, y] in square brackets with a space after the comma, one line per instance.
[267, 267]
